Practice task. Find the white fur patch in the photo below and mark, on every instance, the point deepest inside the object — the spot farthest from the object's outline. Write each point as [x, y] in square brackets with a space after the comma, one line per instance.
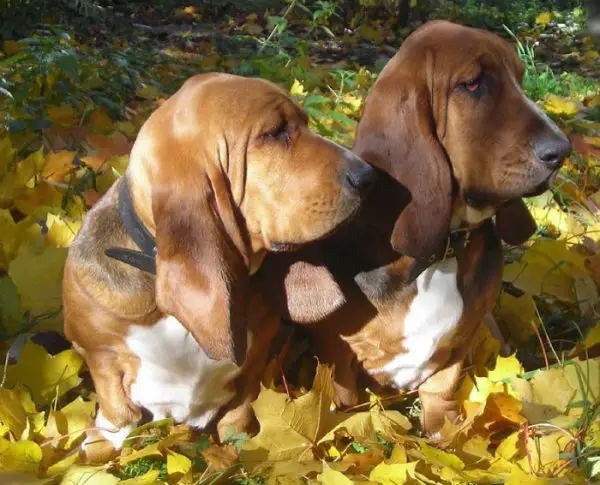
[176, 378]
[470, 216]
[117, 438]
[430, 323]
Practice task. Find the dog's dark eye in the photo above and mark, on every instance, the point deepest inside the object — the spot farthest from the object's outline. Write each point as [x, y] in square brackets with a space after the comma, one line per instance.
[474, 84]
[281, 133]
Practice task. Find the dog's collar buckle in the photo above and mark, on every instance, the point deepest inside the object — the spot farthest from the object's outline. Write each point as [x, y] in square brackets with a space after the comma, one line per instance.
[145, 259]
[457, 239]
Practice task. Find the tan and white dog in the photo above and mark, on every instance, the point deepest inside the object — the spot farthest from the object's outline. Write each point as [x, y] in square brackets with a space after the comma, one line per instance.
[156, 284]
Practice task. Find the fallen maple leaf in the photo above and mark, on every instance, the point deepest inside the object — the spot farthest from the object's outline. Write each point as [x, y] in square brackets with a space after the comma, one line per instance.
[88, 475]
[333, 477]
[46, 376]
[517, 317]
[58, 164]
[21, 456]
[550, 267]
[290, 428]
[177, 466]
[37, 273]
[544, 397]
[394, 474]
[220, 457]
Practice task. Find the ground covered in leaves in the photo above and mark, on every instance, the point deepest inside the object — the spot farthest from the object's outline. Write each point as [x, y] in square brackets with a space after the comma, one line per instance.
[71, 102]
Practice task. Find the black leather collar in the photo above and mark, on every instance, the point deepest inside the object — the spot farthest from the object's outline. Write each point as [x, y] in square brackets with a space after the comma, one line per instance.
[146, 258]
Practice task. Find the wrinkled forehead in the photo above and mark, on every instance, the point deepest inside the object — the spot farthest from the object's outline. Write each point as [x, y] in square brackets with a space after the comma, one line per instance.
[238, 100]
[457, 47]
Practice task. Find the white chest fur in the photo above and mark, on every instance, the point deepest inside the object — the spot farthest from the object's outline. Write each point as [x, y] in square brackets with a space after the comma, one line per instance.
[430, 323]
[176, 378]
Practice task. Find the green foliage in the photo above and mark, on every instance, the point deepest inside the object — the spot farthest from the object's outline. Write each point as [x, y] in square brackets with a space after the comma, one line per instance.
[142, 466]
[50, 67]
[539, 80]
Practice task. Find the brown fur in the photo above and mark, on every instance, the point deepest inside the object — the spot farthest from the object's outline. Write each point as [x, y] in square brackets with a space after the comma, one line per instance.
[222, 172]
[446, 154]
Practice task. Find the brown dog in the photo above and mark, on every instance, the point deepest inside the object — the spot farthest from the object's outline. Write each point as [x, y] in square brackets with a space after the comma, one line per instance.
[221, 173]
[449, 124]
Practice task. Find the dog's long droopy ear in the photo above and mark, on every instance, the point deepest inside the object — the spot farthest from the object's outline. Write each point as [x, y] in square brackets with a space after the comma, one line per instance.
[514, 223]
[201, 276]
[397, 134]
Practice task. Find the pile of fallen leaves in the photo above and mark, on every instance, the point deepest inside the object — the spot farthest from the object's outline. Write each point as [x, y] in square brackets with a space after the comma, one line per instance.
[67, 125]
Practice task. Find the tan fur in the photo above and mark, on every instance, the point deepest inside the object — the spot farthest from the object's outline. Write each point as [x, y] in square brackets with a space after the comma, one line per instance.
[446, 154]
[222, 172]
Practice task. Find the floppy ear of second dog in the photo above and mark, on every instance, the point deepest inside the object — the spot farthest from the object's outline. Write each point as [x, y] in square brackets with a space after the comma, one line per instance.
[401, 290]
[222, 172]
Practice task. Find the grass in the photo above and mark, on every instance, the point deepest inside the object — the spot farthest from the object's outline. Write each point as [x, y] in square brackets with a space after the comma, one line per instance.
[539, 80]
[142, 466]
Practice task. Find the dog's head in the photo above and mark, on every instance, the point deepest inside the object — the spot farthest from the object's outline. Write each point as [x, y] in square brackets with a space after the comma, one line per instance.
[449, 120]
[222, 171]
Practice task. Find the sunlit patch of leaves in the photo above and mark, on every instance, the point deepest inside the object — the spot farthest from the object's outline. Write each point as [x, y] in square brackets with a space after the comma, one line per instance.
[68, 114]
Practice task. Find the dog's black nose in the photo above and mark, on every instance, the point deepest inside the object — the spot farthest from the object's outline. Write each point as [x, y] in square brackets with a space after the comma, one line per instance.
[552, 150]
[360, 177]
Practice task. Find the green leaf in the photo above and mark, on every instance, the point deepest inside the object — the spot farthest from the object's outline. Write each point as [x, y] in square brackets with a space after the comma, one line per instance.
[315, 99]
[11, 317]
[342, 118]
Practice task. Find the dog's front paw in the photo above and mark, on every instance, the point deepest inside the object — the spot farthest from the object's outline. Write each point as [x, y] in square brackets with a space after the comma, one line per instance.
[104, 442]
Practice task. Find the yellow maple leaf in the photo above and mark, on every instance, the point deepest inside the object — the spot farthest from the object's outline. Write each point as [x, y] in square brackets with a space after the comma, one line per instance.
[559, 105]
[502, 408]
[76, 417]
[61, 466]
[544, 453]
[37, 273]
[58, 164]
[394, 474]
[63, 115]
[505, 367]
[46, 376]
[12, 412]
[297, 89]
[584, 377]
[7, 155]
[34, 200]
[398, 455]
[440, 458]
[29, 170]
[177, 465]
[543, 18]
[509, 446]
[14, 478]
[289, 428]
[332, 477]
[8, 241]
[89, 475]
[517, 317]
[483, 388]
[20, 456]
[156, 450]
[544, 397]
[547, 213]
[549, 266]
[366, 425]
[61, 231]
[99, 120]
[593, 337]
